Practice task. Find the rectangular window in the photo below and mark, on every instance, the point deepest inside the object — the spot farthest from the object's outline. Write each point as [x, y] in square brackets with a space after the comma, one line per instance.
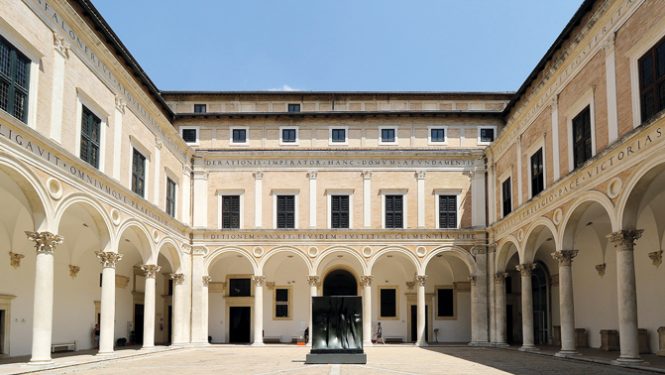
[339, 211]
[14, 81]
[582, 137]
[394, 211]
[138, 173]
[289, 136]
[286, 211]
[652, 81]
[190, 135]
[240, 287]
[281, 303]
[231, 212]
[388, 303]
[437, 135]
[506, 194]
[447, 211]
[170, 197]
[338, 135]
[486, 135]
[537, 173]
[200, 108]
[293, 107]
[90, 128]
[445, 303]
[239, 135]
[388, 135]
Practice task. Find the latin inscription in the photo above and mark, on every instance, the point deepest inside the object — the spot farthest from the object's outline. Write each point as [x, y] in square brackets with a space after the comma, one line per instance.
[339, 163]
[239, 236]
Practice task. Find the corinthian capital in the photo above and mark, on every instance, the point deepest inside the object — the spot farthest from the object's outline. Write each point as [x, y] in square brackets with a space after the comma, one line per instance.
[525, 269]
[150, 270]
[178, 278]
[500, 277]
[421, 280]
[109, 259]
[565, 257]
[624, 240]
[313, 280]
[259, 280]
[366, 280]
[45, 242]
[206, 280]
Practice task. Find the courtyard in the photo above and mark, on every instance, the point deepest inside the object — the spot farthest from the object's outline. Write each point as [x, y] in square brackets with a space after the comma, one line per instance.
[282, 359]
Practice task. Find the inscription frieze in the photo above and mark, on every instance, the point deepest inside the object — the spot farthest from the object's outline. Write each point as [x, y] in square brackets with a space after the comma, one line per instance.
[338, 236]
[223, 164]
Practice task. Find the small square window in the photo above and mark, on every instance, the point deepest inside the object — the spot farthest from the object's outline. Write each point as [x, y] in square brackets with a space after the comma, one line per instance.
[293, 107]
[338, 135]
[486, 135]
[388, 135]
[190, 135]
[289, 136]
[437, 135]
[239, 135]
[200, 108]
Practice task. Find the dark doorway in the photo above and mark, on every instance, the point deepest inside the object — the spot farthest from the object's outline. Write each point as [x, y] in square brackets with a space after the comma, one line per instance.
[239, 324]
[414, 323]
[2, 332]
[510, 338]
[541, 304]
[340, 283]
[138, 324]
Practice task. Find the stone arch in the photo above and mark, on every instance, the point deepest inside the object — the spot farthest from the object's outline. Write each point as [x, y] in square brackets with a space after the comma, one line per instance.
[628, 205]
[213, 255]
[285, 249]
[96, 211]
[578, 207]
[529, 249]
[35, 196]
[316, 267]
[146, 249]
[169, 249]
[503, 253]
[393, 249]
[456, 251]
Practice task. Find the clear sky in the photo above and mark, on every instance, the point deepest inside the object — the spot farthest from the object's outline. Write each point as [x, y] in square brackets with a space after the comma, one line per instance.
[341, 45]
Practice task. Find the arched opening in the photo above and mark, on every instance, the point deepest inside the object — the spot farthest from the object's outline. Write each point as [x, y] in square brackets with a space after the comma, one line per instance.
[340, 282]
[540, 285]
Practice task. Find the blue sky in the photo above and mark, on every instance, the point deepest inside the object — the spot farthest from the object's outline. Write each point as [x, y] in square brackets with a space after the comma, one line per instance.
[343, 45]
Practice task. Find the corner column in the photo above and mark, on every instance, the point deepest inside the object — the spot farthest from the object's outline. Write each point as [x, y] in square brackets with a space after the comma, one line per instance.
[42, 324]
[500, 308]
[313, 282]
[366, 282]
[179, 290]
[566, 302]
[527, 306]
[109, 260]
[199, 299]
[420, 337]
[259, 281]
[624, 241]
[150, 271]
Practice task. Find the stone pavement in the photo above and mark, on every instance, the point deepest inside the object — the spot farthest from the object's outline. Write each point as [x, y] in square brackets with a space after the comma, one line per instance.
[389, 359]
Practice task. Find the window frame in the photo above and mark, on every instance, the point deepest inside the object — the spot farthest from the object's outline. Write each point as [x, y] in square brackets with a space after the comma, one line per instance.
[543, 176]
[134, 143]
[288, 107]
[484, 143]
[296, 207]
[199, 105]
[174, 199]
[457, 193]
[404, 193]
[281, 136]
[234, 143]
[445, 135]
[289, 302]
[647, 41]
[397, 302]
[436, 304]
[331, 142]
[239, 277]
[586, 100]
[395, 142]
[85, 100]
[329, 194]
[503, 209]
[142, 194]
[220, 214]
[198, 134]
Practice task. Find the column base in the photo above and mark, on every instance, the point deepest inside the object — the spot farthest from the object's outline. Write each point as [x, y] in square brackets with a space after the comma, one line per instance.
[479, 343]
[628, 361]
[147, 347]
[528, 348]
[104, 354]
[199, 343]
[40, 362]
[566, 353]
[421, 344]
[258, 344]
[500, 344]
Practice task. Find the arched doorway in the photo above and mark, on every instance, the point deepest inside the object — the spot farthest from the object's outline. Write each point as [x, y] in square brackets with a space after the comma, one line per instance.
[340, 283]
[541, 303]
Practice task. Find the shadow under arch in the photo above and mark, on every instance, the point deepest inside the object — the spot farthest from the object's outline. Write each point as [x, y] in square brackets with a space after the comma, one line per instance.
[96, 212]
[169, 249]
[453, 250]
[328, 252]
[284, 249]
[506, 248]
[135, 227]
[393, 249]
[534, 239]
[635, 191]
[219, 252]
[586, 201]
[35, 196]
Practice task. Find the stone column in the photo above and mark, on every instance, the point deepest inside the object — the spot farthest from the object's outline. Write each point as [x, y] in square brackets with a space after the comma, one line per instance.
[149, 305]
[420, 338]
[624, 241]
[527, 306]
[179, 290]
[42, 322]
[566, 302]
[109, 260]
[367, 198]
[313, 282]
[479, 318]
[199, 304]
[366, 282]
[500, 308]
[204, 306]
[258, 309]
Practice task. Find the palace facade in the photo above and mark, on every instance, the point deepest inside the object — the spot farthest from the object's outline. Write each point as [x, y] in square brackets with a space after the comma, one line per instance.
[530, 218]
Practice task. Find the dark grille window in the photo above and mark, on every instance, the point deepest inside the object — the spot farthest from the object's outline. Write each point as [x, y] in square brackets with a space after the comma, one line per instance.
[170, 197]
[240, 287]
[289, 135]
[438, 135]
[394, 211]
[537, 176]
[486, 135]
[90, 127]
[189, 135]
[506, 197]
[14, 81]
[200, 108]
[447, 211]
[388, 135]
[339, 207]
[445, 303]
[138, 173]
[582, 137]
[388, 303]
[286, 211]
[281, 303]
[239, 135]
[293, 107]
[230, 211]
[338, 135]
[652, 81]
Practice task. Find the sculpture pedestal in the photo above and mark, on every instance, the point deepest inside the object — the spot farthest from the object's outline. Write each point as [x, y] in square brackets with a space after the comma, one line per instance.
[336, 358]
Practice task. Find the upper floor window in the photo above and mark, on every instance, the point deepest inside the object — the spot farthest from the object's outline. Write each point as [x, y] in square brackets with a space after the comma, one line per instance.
[170, 197]
[190, 134]
[486, 135]
[286, 211]
[138, 173]
[447, 211]
[200, 108]
[582, 137]
[339, 211]
[388, 303]
[231, 211]
[293, 107]
[338, 135]
[90, 134]
[388, 135]
[14, 81]
[240, 287]
[537, 173]
[394, 211]
[289, 135]
[239, 136]
[652, 81]
[506, 197]
[437, 135]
